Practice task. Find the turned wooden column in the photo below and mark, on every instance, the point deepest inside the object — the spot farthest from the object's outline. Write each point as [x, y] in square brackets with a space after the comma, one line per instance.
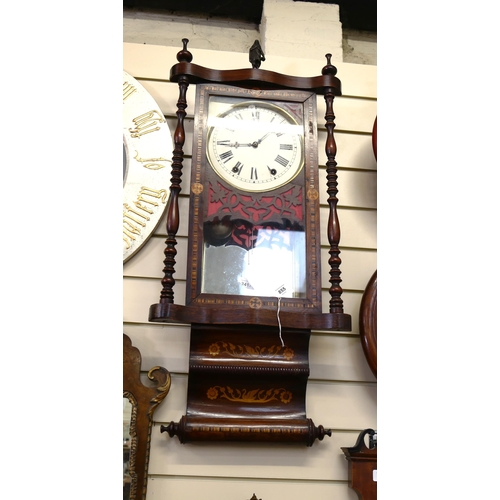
[168, 281]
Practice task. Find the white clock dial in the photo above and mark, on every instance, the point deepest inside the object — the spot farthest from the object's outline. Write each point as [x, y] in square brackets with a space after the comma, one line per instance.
[147, 150]
[255, 147]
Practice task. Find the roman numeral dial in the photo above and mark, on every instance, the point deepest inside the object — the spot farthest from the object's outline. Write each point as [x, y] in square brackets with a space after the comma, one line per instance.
[255, 146]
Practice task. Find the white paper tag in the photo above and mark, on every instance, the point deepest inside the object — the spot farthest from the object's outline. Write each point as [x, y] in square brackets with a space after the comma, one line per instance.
[375, 475]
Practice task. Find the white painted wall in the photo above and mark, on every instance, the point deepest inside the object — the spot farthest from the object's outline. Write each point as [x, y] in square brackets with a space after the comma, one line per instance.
[159, 28]
[287, 29]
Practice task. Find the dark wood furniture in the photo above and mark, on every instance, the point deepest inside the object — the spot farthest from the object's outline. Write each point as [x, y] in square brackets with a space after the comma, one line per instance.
[363, 465]
[144, 402]
[249, 362]
[368, 323]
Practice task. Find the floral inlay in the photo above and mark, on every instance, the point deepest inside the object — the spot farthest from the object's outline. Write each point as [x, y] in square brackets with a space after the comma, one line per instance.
[250, 352]
[253, 396]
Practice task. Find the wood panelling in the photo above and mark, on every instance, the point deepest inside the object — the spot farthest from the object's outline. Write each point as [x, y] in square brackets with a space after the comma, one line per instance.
[359, 188]
[353, 150]
[341, 392]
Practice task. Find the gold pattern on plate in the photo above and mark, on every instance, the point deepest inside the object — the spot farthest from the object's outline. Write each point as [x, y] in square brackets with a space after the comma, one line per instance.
[146, 123]
[128, 90]
[253, 396]
[255, 303]
[196, 188]
[150, 163]
[134, 218]
[250, 352]
[312, 194]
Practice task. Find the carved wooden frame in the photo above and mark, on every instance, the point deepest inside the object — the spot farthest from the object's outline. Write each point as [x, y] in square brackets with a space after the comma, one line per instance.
[144, 402]
[306, 195]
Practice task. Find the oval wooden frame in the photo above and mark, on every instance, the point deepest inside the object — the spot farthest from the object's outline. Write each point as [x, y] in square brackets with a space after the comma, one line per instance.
[368, 323]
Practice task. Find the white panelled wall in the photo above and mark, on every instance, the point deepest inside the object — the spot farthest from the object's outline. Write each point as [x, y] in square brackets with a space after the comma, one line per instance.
[342, 390]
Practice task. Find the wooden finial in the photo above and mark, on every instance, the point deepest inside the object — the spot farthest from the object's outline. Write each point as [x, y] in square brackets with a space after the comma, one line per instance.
[329, 69]
[184, 55]
[256, 55]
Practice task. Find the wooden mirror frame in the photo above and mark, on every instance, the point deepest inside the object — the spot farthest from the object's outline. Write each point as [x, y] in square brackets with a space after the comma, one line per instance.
[144, 401]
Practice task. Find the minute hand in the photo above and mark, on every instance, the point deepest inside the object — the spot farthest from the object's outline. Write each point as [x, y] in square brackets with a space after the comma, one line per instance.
[256, 143]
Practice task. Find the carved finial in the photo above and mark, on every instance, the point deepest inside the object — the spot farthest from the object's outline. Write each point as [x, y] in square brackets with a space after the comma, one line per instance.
[172, 428]
[256, 55]
[184, 55]
[329, 69]
[322, 432]
[255, 498]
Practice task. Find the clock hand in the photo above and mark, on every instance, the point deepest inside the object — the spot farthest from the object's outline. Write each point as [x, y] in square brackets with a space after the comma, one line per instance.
[256, 143]
[238, 145]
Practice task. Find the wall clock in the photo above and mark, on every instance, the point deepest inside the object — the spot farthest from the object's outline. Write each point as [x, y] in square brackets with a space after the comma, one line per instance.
[253, 289]
[147, 151]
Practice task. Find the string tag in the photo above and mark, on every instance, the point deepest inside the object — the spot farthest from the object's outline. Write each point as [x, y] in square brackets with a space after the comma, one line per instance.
[281, 290]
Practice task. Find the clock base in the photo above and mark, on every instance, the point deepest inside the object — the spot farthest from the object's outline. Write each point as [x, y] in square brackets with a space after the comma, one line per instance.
[174, 313]
[298, 431]
[247, 383]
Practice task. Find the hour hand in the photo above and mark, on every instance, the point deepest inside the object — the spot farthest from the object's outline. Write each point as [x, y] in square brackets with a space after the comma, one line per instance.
[235, 144]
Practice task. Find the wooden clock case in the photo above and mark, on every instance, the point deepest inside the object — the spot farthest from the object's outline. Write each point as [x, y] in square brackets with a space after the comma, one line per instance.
[244, 384]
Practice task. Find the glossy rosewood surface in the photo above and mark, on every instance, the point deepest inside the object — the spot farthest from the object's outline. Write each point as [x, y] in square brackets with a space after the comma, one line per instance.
[209, 311]
[251, 77]
[214, 314]
[247, 383]
[368, 323]
[249, 355]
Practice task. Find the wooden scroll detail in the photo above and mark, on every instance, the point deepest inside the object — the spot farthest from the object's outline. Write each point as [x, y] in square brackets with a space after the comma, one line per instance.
[363, 466]
[234, 394]
[336, 303]
[168, 281]
[144, 401]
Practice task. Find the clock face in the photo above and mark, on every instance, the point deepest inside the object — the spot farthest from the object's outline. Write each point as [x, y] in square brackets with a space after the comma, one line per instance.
[255, 146]
[147, 150]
